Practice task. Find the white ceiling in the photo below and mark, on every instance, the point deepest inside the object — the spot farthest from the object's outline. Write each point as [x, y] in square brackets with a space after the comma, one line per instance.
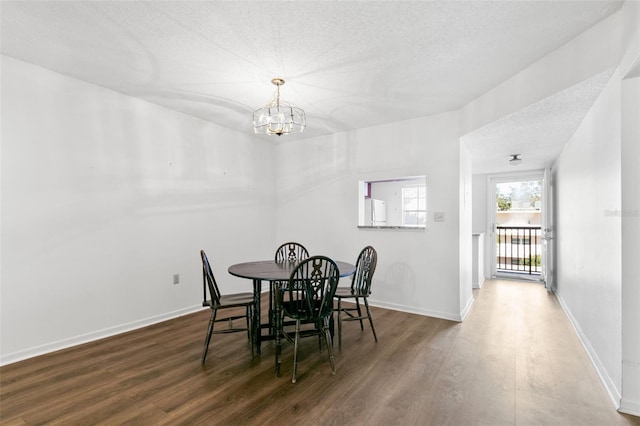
[348, 64]
[537, 133]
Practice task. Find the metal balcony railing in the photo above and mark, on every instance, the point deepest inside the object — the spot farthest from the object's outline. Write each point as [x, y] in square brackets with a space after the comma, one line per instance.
[519, 249]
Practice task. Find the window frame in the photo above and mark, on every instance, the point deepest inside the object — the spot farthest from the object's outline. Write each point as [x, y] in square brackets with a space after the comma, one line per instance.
[420, 190]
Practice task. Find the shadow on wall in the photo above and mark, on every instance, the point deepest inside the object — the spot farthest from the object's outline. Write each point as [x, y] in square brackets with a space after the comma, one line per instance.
[399, 279]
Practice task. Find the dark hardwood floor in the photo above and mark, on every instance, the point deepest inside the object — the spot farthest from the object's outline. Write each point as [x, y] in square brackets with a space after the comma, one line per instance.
[514, 361]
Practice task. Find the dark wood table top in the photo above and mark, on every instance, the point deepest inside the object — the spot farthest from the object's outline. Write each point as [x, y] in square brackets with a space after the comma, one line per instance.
[269, 270]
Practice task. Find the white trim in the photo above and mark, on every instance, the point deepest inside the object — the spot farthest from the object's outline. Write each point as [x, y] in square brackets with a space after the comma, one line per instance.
[479, 285]
[515, 276]
[629, 407]
[609, 385]
[93, 336]
[413, 310]
[467, 308]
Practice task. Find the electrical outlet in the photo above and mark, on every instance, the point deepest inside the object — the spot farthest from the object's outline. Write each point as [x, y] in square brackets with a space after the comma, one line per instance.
[176, 278]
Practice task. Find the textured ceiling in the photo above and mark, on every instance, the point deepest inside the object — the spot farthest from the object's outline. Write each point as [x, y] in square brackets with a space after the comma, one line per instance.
[347, 64]
[538, 132]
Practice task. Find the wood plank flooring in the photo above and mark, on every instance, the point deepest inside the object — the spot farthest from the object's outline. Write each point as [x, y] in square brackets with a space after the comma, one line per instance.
[514, 361]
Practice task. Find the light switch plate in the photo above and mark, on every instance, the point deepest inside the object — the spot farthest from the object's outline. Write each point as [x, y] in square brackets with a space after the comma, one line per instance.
[438, 216]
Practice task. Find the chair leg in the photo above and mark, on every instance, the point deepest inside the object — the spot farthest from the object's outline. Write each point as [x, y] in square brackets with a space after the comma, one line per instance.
[295, 351]
[272, 296]
[359, 313]
[256, 330]
[332, 328]
[327, 338]
[277, 331]
[251, 328]
[212, 321]
[366, 304]
[248, 317]
[339, 323]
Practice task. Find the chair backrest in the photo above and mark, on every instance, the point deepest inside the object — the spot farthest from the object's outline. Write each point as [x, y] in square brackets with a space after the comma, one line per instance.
[208, 280]
[365, 267]
[290, 252]
[311, 288]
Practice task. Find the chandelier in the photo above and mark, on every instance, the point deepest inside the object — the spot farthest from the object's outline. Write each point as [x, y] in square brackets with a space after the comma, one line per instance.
[278, 117]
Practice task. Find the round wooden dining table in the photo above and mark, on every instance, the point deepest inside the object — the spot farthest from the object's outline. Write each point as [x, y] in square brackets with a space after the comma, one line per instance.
[270, 270]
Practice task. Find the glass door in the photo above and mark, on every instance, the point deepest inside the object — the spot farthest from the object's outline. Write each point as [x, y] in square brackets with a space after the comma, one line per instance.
[516, 226]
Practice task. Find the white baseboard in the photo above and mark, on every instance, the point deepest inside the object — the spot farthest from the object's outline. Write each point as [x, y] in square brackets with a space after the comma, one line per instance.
[413, 310]
[629, 407]
[467, 308]
[479, 283]
[612, 391]
[93, 336]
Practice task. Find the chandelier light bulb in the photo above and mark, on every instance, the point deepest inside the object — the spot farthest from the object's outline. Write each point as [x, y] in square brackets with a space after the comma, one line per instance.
[278, 117]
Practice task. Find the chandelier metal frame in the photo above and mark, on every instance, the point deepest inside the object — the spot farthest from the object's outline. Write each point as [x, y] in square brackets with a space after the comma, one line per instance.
[278, 117]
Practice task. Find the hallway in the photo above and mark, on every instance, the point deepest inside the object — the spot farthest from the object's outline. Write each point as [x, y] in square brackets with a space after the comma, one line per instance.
[530, 360]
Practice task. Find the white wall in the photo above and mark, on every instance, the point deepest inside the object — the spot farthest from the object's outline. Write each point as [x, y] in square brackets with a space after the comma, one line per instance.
[588, 238]
[630, 67]
[465, 231]
[317, 186]
[479, 196]
[630, 217]
[479, 219]
[104, 198]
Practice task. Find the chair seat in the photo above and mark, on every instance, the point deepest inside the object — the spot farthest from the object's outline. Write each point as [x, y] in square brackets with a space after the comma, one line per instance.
[347, 292]
[299, 310]
[230, 300]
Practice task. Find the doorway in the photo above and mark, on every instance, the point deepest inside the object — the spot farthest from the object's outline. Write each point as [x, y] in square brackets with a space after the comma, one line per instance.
[516, 226]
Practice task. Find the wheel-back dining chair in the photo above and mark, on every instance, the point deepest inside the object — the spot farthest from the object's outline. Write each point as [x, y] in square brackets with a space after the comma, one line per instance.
[218, 302]
[291, 252]
[307, 298]
[360, 289]
[287, 252]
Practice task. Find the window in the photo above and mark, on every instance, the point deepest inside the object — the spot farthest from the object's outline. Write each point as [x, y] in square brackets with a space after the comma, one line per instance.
[414, 205]
[383, 204]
